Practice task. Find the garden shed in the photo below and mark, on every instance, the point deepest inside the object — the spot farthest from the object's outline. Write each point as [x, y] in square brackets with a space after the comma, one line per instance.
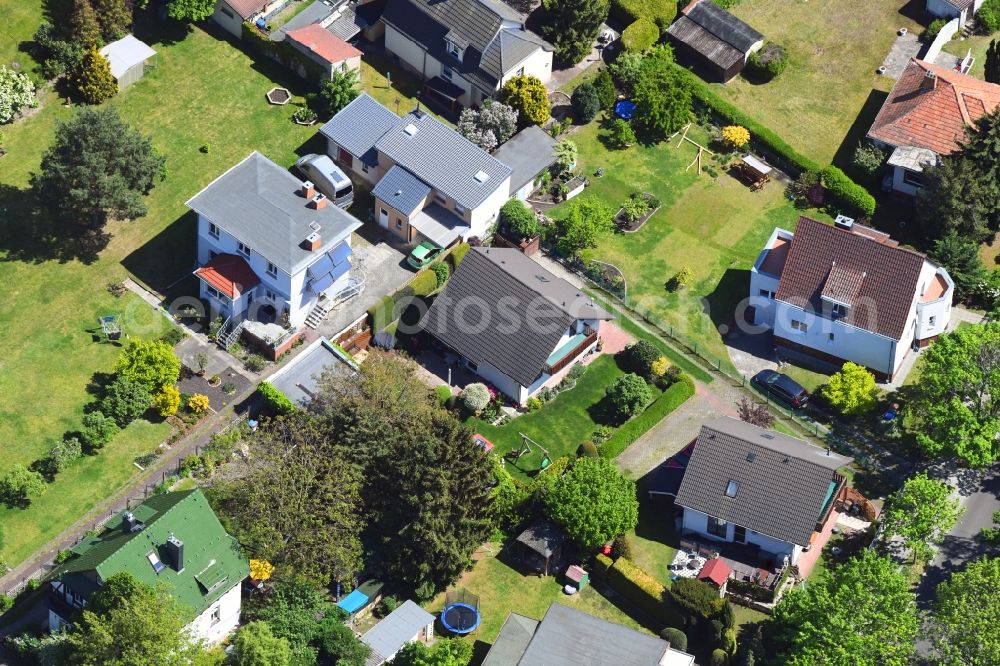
[540, 547]
[128, 57]
[713, 40]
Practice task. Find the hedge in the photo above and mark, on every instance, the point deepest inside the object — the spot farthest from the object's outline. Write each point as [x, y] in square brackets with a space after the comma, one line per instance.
[382, 313]
[277, 400]
[601, 565]
[661, 12]
[424, 284]
[458, 254]
[644, 591]
[641, 35]
[846, 192]
[671, 399]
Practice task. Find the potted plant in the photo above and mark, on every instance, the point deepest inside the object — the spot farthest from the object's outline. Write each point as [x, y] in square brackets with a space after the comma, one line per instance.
[201, 360]
[214, 380]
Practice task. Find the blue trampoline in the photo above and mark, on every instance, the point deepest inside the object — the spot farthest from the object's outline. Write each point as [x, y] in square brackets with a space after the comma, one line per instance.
[461, 613]
[624, 109]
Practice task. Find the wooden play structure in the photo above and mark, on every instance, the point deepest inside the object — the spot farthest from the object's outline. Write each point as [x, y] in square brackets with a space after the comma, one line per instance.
[701, 149]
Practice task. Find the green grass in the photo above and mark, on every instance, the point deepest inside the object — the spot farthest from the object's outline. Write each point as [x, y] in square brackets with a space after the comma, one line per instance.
[835, 48]
[560, 425]
[714, 226]
[978, 44]
[21, 19]
[654, 539]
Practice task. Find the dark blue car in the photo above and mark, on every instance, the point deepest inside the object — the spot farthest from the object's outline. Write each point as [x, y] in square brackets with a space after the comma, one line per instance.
[781, 387]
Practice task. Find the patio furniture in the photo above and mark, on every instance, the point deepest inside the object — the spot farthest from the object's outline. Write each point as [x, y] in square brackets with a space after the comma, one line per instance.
[753, 171]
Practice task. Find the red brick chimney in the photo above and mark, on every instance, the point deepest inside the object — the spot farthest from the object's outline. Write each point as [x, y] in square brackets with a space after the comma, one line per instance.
[308, 189]
[312, 242]
[929, 82]
[318, 201]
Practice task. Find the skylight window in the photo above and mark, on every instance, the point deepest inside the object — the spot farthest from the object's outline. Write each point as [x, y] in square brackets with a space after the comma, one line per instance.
[410, 130]
[732, 488]
[154, 560]
[482, 177]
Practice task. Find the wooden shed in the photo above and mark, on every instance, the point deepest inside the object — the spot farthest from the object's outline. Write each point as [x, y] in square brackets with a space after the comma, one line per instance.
[714, 41]
[128, 58]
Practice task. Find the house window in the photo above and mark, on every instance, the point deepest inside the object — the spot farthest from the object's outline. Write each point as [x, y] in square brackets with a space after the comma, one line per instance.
[225, 10]
[830, 338]
[732, 488]
[364, 167]
[440, 198]
[213, 229]
[272, 270]
[520, 72]
[399, 223]
[453, 50]
[767, 294]
[154, 560]
[446, 72]
[269, 295]
[913, 178]
[799, 326]
[216, 614]
[243, 248]
[717, 528]
[838, 310]
[212, 291]
[459, 209]
[931, 320]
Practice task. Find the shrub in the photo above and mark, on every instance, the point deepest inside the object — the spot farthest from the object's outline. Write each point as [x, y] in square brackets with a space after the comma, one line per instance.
[635, 208]
[677, 638]
[587, 450]
[386, 606]
[566, 154]
[425, 283]
[441, 273]
[659, 367]
[631, 430]
[868, 158]
[255, 362]
[382, 313]
[443, 393]
[458, 254]
[621, 134]
[644, 591]
[661, 12]
[93, 80]
[601, 434]
[585, 102]
[729, 641]
[626, 70]
[16, 91]
[578, 370]
[640, 35]
[768, 62]
[989, 15]
[697, 596]
[167, 400]
[846, 193]
[151, 362]
[336, 93]
[932, 30]
[19, 484]
[527, 94]
[605, 87]
[198, 403]
[639, 357]
[64, 452]
[852, 390]
[97, 430]
[534, 404]
[601, 565]
[629, 395]
[735, 136]
[622, 547]
[125, 401]
[275, 399]
[475, 397]
[680, 279]
[719, 658]
[519, 219]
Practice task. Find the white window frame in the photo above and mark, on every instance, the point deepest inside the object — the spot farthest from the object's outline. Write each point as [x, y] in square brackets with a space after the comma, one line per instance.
[270, 295]
[216, 616]
[838, 310]
[272, 270]
[155, 562]
[446, 72]
[213, 230]
[453, 49]
[243, 248]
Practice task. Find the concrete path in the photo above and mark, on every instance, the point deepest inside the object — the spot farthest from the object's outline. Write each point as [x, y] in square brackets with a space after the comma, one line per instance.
[904, 48]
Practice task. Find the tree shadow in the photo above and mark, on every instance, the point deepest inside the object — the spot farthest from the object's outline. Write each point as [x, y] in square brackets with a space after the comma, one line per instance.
[916, 10]
[723, 301]
[152, 29]
[30, 233]
[843, 158]
[168, 257]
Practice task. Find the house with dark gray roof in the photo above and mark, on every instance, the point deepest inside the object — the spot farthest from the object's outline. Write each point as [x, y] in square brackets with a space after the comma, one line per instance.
[528, 153]
[271, 248]
[512, 322]
[569, 637]
[717, 43]
[464, 50]
[431, 183]
[759, 488]
[847, 292]
[407, 624]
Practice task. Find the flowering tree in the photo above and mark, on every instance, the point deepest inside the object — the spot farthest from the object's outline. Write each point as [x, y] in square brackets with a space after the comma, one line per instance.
[736, 136]
[261, 569]
[16, 92]
[490, 126]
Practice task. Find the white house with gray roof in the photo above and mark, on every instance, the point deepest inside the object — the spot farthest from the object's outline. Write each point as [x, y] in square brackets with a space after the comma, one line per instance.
[465, 50]
[270, 247]
[431, 183]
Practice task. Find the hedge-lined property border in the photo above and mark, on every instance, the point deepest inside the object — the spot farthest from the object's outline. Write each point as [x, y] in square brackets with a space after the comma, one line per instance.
[625, 436]
[644, 591]
[275, 399]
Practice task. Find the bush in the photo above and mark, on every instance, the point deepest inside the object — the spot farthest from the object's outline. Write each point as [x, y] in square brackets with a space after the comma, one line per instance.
[697, 597]
[605, 87]
[680, 279]
[631, 430]
[441, 273]
[622, 547]
[64, 452]
[458, 254]
[626, 70]
[19, 484]
[677, 638]
[719, 658]
[275, 399]
[152, 362]
[640, 35]
[661, 12]
[868, 159]
[167, 400]
[475, 397]
[382, 313]
[443, 394]
[425, 283]
[519, 219]
[527, 94]
[97, 430]
[629, 395]
[644, 591]
[198, 403]
[386, 606]
[639, 357]
[932, 30]
[735, 136]
[578, 370]
[635, 208]
[586, 103]
[587, 449]
[93, 79]
[989, 15]
[172, 337]
[846, 193]
[255, 362]
[621, 134]
[768, 62]
[601, 565]
[534, 404]
[125, 401]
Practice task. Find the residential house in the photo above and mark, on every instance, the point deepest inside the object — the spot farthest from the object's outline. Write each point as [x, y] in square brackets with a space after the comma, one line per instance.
[717, 43]
[927, 115]
[772, 493]
[963, 10]
[321, 46]
[529, 154]
[465, 50]
[848, 293]
[174, 539]
[512, 322]
[270, 247]
[407, 624]
[128, 58]
[569, 637]
[231, 14]
[431, 183]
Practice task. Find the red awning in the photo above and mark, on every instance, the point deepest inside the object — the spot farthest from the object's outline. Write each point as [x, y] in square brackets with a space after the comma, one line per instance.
[716, 571]
[230, 274]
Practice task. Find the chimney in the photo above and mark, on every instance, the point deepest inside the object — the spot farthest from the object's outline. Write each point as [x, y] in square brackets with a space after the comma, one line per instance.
[129, 522]
[312, 242]
[174, 548]
[929, 81]
[417, 111]
[308, 189]
[318, 201]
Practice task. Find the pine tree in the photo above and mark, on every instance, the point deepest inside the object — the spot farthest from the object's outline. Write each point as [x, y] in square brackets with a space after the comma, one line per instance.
[992, 65]
[94, 81]
[114, 17]
[572, 26]
[83, 26]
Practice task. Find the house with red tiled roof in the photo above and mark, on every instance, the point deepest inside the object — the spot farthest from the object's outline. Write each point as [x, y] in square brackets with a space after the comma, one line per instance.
[845, 292]
[926, 116]
[321, 46]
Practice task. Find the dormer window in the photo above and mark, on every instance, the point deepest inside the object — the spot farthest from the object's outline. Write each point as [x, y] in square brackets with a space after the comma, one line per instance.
[838, 310]
[453, 49]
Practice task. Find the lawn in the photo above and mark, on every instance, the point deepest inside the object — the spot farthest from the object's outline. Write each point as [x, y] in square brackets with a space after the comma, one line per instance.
[714, 226]
[561, 425]
[978, 45]
[51, 305]
[835, 48]
[21, 19]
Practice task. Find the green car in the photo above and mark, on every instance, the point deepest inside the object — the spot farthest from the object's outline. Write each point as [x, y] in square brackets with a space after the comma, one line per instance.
[423, 254]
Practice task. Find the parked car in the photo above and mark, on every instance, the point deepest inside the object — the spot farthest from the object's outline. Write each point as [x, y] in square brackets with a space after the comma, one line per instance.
[423, 254]
[781, 387]
[327, 177]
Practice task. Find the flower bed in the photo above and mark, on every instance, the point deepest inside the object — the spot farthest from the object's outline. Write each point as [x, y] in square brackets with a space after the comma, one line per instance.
[631, 225]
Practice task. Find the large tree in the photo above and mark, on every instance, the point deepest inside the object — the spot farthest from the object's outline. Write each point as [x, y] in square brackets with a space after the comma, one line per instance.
[991, 70]
[593, 502]
[958, 197]
[19, 484]
[335, 94]
[97, 168]
[338, 645]
[862, 613]
[921, 512]
[256, 645]
[445, 652]
[93, 79]
[960, 255]
[130, 623]
[115, 18]
[297, 502]
[587, 220]
[83, 27]
[152, 363]
[956, 408]
[190, 10]
[297, 612]
[572, 26]
[965, 621]
[663, 95]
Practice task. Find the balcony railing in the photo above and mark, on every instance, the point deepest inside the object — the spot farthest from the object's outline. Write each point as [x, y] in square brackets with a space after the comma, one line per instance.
[571, 357]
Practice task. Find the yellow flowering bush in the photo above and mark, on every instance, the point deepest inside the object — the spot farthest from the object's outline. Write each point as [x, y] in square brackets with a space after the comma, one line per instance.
[261, 569]
[736, 136]
[198, 403]
[660, 366]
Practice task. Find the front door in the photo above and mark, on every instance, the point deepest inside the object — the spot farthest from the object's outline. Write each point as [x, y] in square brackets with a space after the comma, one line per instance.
[739, 534]
[383, 218]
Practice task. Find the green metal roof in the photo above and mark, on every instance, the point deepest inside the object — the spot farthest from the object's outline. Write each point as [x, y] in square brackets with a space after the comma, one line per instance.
[213, 561]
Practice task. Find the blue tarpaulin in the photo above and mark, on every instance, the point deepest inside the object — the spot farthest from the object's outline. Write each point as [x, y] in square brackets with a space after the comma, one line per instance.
[624, 109]
[353, 602]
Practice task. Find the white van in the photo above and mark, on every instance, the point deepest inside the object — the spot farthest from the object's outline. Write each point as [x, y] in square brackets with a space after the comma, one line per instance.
[328, 178]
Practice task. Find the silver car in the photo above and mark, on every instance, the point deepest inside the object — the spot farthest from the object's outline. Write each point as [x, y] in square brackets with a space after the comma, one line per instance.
[327, 177]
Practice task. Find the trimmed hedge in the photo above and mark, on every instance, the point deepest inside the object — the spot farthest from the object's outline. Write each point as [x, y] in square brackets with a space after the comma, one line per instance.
[601, 565]
[671, 399]
[846, 192]
[644, 591]
[275, 399]
[641, 35]
[382, 313]
[661, 12]
[458, 254]
[424, 284]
